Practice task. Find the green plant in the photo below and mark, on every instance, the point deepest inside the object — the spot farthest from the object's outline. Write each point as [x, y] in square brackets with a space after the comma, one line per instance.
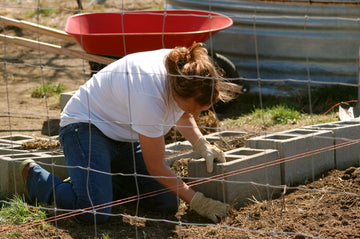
[105, 236]
[48, 89]
[317, 101]
[2, 199]
[274, 115]
[44, 12]
[17, 211]
[277, 115]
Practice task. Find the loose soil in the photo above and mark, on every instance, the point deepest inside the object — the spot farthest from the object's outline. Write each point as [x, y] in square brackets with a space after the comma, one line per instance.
[325, 208]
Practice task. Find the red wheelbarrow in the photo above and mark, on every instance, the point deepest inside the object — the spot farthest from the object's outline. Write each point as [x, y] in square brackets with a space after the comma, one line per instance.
[118, 34]
[106, 37]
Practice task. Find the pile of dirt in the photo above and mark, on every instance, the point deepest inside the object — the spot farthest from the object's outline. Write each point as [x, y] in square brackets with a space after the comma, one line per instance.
[41, 145]
[325, 208]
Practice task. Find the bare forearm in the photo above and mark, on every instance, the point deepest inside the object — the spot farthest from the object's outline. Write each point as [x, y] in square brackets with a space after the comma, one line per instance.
[188, 128]
[173, 183]
[154, 151]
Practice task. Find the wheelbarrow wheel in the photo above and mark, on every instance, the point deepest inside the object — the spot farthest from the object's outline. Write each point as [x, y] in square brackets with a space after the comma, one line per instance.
[224, 63]
[230, 72]
[95, 67]
[229, 69]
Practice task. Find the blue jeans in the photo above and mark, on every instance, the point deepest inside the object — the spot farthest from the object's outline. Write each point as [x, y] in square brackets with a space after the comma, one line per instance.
[96, 165]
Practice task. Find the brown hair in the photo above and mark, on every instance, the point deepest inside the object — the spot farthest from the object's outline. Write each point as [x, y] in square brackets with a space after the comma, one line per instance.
[192, 73]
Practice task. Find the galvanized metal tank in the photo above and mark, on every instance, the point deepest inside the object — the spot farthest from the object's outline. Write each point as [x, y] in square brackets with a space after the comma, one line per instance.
[287, 43]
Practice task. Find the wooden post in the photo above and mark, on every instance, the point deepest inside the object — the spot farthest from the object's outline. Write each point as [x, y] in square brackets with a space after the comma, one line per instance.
[56, 49]
[79, 5]
[37, 28]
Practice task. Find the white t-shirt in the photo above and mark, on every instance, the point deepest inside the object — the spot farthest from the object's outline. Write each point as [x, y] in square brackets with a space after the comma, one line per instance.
[127, 97]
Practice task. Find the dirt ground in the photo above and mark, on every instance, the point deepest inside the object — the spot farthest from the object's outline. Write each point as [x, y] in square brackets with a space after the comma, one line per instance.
[326, 208]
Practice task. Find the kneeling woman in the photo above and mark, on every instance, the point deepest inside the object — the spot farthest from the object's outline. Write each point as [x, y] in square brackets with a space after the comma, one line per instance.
[112, 134]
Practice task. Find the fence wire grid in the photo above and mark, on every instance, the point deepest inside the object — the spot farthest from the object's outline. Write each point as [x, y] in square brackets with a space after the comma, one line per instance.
[25, 66]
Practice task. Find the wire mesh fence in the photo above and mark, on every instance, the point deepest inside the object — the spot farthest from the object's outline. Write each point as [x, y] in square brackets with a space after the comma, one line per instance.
[301, 183]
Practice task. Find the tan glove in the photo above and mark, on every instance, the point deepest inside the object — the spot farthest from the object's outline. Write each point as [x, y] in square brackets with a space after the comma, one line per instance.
[209, 152]
[208, 207]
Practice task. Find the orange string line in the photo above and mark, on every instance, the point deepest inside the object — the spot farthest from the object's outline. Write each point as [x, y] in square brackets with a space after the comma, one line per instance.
[350, 101]
[193, 183]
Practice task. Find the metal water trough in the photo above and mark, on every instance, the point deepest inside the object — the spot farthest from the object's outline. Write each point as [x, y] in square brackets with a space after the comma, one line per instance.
[288, 43]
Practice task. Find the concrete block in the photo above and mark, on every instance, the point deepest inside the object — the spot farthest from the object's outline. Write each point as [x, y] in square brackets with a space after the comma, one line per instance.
[9, 146]
[10, 151]
[346, 142]
[55, 164]
[177, 148]
[15, 139]
[183, 149]
[246, 175]
[227, 135]
[305, 154]
[11, 181]
[193, 155]
[50, 127]
[64, 98]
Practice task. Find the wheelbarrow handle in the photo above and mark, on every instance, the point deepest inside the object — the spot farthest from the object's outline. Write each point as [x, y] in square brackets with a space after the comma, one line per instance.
[37, 28]
[56, 49]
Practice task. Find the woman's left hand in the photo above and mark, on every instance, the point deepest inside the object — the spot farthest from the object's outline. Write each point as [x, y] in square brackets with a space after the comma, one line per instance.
[209, 152]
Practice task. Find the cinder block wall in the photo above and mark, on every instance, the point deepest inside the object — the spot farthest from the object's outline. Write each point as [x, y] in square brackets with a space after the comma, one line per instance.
[305, 154]
[11, 156]
[254, 172]
[346, 136]
[11, 181]
[244, 176]
[64, 98]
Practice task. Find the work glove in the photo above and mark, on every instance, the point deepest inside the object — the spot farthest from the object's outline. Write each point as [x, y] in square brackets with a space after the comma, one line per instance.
[207, 207]
[209, 152]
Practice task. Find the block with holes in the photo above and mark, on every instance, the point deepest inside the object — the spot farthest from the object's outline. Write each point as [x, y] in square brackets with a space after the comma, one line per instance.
[16, 140]
[11, 181]
[64, 98]
[346, 142]
[248, 174]
[226, 136]
[305, 154]
[12, 151]
[177, 148]
[7, 145]
[181, 149]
